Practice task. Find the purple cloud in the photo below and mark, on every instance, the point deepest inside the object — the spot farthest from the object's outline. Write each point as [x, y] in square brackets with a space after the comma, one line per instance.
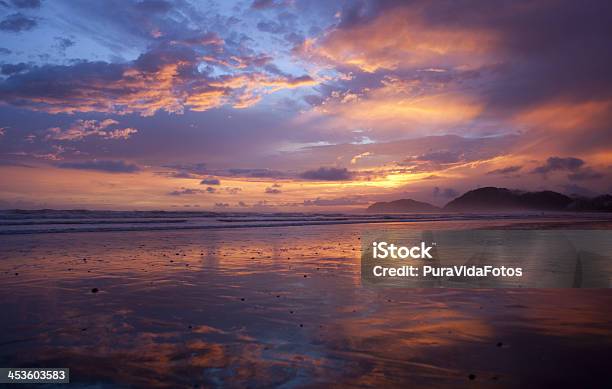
[210, 181]
[101, 165]
[185, 191]
[17, 23]
[557, 163]
[327, 174]
[505, 170]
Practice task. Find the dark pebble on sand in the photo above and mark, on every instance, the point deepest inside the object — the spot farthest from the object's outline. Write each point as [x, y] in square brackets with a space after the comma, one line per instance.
[291, 312]
[472, 377]
[94, 290]
[277, 296]
[242, 299]
[305, 276]
[301, 325]
[16, 274]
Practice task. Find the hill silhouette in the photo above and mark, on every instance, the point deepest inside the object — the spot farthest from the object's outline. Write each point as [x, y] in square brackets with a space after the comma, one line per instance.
[502, 199]
[402, 206]
[493, 199]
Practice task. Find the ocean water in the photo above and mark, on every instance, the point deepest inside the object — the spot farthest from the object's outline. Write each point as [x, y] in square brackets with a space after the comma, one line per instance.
[282, 306]
[45, 221]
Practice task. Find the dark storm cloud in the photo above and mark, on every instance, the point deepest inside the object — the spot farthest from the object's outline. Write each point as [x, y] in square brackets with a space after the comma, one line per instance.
[557, 163]
[185, 191]
[327, 174]
[548, 42]
[101, 165]
[256, 173]
[505, 170]
[17, 23]
[193, 169]
[210, 181]
[60, 88]
[9, 69]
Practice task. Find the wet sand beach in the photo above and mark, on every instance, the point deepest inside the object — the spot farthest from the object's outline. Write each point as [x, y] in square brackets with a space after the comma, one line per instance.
[280, 306]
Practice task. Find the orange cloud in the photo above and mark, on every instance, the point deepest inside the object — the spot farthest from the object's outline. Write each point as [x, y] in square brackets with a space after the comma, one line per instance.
[145, 86]
[409, 105]
[565, 116]
[81, 129]
[399, 38]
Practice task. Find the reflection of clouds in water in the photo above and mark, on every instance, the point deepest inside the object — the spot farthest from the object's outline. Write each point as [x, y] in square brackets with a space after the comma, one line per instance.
[166, 324]
[548, 258]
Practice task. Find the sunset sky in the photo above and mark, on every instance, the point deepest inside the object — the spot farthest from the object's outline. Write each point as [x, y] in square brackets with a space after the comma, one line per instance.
[292, 105]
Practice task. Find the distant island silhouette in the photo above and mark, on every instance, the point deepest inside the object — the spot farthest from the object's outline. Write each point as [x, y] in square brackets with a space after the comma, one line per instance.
[404, 205]
[492, 199]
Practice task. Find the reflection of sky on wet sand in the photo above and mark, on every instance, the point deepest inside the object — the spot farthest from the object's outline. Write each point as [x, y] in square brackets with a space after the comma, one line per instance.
[277, 307]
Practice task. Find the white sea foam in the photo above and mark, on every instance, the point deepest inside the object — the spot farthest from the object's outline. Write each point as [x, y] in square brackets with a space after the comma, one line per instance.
[46, 221]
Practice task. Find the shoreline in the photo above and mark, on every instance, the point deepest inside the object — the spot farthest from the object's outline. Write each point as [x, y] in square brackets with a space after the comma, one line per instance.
[589, 221]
